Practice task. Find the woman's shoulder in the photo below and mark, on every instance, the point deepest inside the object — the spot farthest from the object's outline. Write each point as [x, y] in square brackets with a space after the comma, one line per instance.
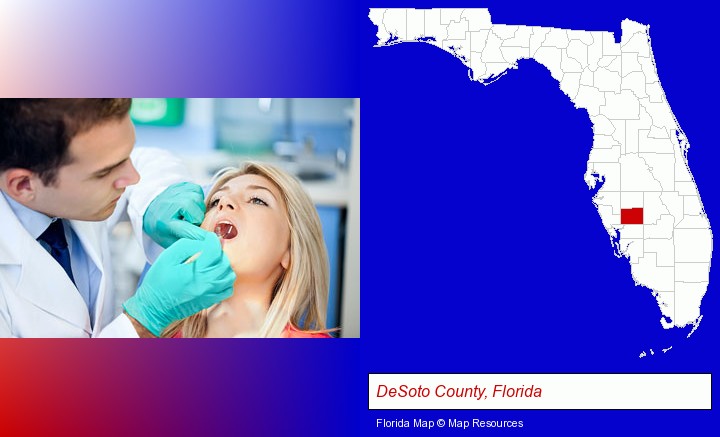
[292, 332]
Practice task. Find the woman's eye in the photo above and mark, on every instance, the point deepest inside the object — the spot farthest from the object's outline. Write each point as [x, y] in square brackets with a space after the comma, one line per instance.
[258, 201]
[214, 202]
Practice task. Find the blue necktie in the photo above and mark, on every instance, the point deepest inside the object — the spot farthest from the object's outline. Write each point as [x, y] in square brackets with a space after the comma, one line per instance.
[54, 236]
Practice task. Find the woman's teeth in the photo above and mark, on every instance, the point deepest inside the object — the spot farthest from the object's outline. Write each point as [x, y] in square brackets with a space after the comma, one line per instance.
[225, 230]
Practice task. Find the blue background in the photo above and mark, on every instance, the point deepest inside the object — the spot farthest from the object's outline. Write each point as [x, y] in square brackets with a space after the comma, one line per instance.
[482, 249]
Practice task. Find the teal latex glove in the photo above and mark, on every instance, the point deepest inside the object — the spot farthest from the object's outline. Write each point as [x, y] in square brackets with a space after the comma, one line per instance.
[175, 213]
[173, 290]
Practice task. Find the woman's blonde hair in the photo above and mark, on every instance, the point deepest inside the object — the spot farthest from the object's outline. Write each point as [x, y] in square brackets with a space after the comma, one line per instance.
[301, 293]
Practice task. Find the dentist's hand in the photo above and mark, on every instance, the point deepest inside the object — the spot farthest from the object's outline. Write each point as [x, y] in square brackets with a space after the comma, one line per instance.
[175, 213]
[173, 290]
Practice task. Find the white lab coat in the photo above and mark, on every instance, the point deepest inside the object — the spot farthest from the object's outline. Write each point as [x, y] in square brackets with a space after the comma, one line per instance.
[37, 299]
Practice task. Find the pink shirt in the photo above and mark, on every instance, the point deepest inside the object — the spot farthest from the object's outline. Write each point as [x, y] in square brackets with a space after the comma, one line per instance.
[289, 332]
[292, 332]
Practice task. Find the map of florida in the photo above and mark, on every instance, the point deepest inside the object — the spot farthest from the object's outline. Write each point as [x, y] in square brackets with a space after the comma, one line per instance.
[646, 196]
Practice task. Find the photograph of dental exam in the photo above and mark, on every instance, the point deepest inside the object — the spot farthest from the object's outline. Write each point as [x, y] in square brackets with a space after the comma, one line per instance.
[118, 223]
[277, 176]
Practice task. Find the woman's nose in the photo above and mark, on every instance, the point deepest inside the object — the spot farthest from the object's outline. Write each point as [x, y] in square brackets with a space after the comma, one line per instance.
[226, 203]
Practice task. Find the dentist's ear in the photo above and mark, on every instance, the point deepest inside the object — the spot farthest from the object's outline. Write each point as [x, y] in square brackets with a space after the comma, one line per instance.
[19, 184]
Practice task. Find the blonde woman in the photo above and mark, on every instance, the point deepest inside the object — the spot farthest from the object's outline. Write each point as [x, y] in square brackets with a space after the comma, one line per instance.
[271, 233]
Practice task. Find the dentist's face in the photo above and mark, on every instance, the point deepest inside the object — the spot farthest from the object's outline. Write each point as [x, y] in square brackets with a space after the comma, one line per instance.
[251, 215]
[89, 187]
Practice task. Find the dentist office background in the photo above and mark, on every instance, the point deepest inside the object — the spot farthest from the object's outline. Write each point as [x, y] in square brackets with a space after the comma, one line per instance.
[317, 140]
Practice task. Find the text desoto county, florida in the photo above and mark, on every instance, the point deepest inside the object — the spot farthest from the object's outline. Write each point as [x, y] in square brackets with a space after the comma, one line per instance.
[448, 391]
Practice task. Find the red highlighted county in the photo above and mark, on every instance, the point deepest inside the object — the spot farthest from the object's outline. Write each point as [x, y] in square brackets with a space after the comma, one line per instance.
[631, 216]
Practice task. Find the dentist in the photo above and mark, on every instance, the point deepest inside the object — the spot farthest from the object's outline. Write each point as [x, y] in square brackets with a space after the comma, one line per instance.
[68, 174]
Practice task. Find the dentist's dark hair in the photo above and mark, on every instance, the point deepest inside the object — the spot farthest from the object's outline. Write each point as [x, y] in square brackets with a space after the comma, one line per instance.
[35, 134]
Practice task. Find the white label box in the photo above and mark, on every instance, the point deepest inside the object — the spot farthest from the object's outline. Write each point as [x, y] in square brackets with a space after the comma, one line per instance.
[539, 391]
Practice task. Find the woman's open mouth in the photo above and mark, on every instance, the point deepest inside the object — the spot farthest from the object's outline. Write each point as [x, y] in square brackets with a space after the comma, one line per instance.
[225, 230]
